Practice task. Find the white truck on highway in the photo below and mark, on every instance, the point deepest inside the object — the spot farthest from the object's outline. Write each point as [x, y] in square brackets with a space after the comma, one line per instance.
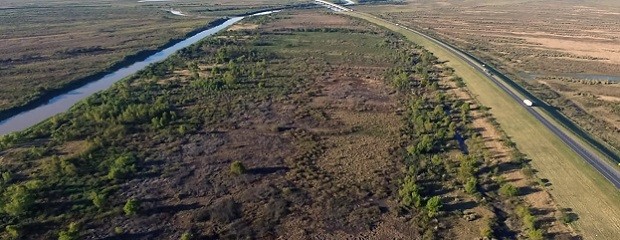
[528, 102]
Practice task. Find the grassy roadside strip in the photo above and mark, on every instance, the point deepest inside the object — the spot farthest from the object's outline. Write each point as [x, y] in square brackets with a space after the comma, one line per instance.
[593, 149]
[574, 181]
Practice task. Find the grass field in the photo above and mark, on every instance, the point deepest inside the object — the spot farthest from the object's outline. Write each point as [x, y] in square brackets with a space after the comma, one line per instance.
[46, 45]
[574, 183]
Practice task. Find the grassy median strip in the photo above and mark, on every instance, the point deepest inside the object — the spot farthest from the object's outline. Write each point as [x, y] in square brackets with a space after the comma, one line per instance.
[574, 182]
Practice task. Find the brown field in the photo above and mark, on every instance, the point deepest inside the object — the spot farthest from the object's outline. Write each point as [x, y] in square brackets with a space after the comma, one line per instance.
[321, 133]
[45, 45]
[536, 42]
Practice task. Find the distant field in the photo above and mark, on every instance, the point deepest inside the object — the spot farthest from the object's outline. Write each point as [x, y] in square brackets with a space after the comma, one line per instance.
[562, 51]
[45, 45]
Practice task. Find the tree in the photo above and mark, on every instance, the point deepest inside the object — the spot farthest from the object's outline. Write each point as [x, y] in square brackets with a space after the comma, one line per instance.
[535, 234]
[467, 168]
[72, 233]
[470, 185]
[433, 205]
[230, 78]
[508, 190]
[13, 231]
[410, 193]
[401, 81]
[131, 207]
[237, 168]
[98, 199]
[426, 144]
[18, 200]
[187, 236]
[122, 167]
[465, 108]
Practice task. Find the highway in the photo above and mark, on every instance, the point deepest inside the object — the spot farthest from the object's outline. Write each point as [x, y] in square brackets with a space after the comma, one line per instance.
[602, 166]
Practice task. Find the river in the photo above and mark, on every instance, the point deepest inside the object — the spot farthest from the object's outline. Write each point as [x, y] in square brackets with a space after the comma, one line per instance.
[64, 101]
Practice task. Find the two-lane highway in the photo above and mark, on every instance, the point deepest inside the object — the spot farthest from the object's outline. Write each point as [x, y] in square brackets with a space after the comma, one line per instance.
[606, 169]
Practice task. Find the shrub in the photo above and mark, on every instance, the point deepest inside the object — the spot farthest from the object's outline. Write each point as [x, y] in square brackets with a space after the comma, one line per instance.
[529, 220]
[131, 207]
[186, 236]
[433, 205]
[7, 176]
[535, 234]
[118, 230]
[98, 199]
[72, 233]
[230, 78]
[567, 216]
[470, 185]
[13, 231]
[122, 167]
[237, 168]
[409, 193]
[467, 168]
[401, 81]
[486, 230]
[508, 190]
[17, 200]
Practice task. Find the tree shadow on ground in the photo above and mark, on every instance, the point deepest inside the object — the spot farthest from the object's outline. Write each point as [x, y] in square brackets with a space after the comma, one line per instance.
[171, 208]
[267, 170]
[139, 235]
[526, 190]
[459, 205]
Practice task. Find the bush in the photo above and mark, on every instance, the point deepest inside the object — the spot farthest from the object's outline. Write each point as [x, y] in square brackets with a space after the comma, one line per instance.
[13, 231]
[187, 236]
[70, 234]
[118, 230]
[401, 81]
[237, 168]
[409, 193]
[508, 190]
[486, 230]
[131, 207]
[470, 185]
[567, 216]
[529, 220]
[122, 167]
[98, 199]
[433, 205]
[535, 234]
[17, 199]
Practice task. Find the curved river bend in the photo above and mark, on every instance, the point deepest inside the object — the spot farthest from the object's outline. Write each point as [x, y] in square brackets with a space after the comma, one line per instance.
[63, 102]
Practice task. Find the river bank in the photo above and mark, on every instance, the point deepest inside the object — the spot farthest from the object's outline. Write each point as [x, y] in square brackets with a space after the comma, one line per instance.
[62, 99]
